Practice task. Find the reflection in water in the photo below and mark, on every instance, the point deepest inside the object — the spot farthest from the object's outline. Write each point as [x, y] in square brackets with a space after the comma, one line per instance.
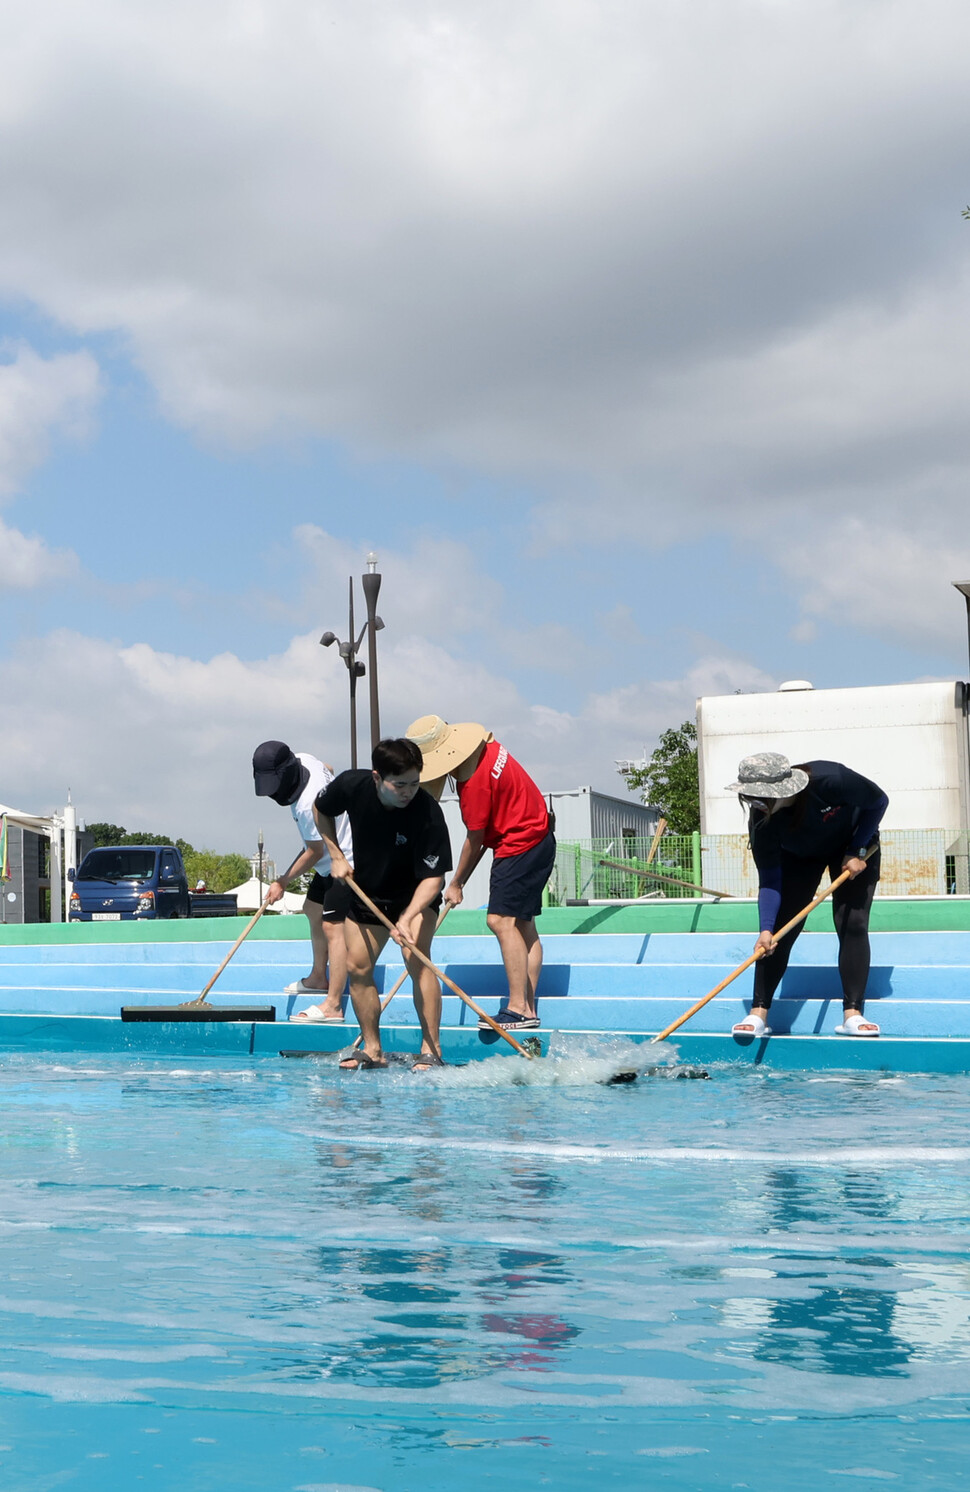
[844, 1328]
[422, 1348]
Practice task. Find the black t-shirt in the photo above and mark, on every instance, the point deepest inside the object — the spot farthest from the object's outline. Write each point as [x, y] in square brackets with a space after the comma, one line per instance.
[839, 811]
[394, 848]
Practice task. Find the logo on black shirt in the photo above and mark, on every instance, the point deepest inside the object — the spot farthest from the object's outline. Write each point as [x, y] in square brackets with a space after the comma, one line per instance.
[431, 861]
[401, 839]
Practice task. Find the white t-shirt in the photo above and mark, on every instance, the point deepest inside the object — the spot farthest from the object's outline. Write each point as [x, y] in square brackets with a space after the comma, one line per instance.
[302, 811]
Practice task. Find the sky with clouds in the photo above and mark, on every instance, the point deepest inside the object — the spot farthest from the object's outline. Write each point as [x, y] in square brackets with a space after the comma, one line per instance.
[632, 335]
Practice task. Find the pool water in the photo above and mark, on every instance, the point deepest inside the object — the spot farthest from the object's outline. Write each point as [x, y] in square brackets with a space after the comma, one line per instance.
[264, 1274]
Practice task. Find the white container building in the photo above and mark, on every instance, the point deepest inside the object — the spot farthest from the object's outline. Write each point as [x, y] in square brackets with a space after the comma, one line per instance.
[909, 738]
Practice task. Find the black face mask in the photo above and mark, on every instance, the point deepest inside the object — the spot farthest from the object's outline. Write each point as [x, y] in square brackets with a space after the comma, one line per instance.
[293, 780]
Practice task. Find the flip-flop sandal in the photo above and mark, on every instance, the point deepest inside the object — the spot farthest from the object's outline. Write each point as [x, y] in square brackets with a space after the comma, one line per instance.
[360, 1062]
[853, 1026]
[314, 1016]
[753, 1025]
[300, 987]
[424, 1062]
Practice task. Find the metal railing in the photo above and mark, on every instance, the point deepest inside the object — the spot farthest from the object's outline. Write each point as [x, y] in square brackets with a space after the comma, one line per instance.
[915, 862]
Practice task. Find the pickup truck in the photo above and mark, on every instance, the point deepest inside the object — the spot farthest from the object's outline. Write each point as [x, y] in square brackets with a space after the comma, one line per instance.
[127, 882]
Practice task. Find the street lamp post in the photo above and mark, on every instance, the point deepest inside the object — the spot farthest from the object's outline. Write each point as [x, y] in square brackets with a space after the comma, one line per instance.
[348, 651]
[371, 583]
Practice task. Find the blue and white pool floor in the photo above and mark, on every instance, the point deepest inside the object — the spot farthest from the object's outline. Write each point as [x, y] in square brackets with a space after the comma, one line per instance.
[251, 1273]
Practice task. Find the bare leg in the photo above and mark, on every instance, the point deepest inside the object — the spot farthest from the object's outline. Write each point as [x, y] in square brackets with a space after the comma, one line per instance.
[322, 943]
[534, 959]
[518, 948]
[317, 977]
[364, 943]
[426, 989]
[337, 964]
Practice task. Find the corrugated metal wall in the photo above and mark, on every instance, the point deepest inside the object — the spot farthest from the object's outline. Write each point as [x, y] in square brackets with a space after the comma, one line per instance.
[616, 818]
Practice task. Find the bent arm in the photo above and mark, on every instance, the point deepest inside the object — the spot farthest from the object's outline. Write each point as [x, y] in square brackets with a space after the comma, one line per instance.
[869, 820]
[340, 867]
[425, 892]
[308, 857]
[471, 853]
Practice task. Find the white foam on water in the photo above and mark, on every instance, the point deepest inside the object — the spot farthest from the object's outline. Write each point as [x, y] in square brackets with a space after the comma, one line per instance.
[584, 1063]
[673, 1450]
[67, 1390]
[861, 1157]
[870, 1472]
[135, 1354]
[334, 1487]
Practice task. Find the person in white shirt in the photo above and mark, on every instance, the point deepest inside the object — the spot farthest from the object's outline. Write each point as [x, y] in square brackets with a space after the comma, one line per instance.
[293, 779]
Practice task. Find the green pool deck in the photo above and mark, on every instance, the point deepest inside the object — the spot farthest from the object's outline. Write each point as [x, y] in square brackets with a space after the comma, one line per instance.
[889, 914]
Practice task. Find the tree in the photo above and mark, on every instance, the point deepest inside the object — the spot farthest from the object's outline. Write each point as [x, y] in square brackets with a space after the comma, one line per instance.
[669, 779]
[112, 834]
[219, 872]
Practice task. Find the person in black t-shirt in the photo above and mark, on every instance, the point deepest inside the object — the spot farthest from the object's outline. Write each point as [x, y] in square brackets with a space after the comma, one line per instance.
[802, 820]
[401, 854]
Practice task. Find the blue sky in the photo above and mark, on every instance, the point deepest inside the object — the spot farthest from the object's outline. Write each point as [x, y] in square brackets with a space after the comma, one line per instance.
[643, 380]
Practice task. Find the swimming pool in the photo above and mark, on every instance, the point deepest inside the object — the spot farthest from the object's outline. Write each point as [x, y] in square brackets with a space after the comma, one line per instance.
[252, 1273]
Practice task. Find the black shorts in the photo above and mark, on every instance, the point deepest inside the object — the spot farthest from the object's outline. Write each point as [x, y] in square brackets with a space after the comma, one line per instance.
[392, 909]
[518, 881]
[332, 896]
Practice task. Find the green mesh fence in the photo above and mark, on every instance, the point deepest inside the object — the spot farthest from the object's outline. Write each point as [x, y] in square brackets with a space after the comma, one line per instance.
[579, 874]
[915, 862]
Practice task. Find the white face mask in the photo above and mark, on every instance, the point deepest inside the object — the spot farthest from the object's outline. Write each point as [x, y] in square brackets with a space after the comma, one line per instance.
[767, 806]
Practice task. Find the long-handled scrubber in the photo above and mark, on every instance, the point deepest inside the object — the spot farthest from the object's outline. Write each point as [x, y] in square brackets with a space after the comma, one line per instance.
[199, 1009]
[758, 953]
[422, 958]
[398, 983]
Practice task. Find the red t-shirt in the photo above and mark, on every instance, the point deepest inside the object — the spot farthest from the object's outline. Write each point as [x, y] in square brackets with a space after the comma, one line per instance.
[501, 800]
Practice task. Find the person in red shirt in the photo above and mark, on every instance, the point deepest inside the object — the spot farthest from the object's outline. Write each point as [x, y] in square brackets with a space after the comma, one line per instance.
[503, 811]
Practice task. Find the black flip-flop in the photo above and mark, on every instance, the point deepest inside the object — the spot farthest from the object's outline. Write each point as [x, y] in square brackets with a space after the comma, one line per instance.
[359, 1062]
[425, 1061]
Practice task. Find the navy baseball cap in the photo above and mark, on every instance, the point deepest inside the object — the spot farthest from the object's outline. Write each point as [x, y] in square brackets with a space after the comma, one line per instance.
[273, 761]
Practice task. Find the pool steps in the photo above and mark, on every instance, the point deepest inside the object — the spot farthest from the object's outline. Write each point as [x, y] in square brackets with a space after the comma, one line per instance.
[610, 982]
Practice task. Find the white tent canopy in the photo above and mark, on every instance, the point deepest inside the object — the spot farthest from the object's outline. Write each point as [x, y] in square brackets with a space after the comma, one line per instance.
[249, 897]
[29, 821]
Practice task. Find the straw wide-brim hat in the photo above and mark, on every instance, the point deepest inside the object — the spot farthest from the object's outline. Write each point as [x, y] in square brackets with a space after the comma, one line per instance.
[444, 747]
[768, 774]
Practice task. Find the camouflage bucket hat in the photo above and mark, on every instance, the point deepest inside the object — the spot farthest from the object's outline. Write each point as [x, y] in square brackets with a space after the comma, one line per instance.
[768, 774]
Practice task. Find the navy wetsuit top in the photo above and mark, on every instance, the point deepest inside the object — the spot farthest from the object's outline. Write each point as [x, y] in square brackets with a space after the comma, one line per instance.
[837, 815]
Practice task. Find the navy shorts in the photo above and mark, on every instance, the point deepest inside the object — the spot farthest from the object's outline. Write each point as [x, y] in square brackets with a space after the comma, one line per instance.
[518, 881]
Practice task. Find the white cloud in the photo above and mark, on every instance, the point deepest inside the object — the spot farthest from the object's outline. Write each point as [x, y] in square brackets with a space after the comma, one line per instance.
[26, 561]
[620, 247]
[164, 743]
[41, 397]
[890, 580]
[682, 266]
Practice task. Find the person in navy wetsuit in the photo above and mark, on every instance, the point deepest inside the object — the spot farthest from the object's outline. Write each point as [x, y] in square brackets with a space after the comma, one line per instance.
[803, 820]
